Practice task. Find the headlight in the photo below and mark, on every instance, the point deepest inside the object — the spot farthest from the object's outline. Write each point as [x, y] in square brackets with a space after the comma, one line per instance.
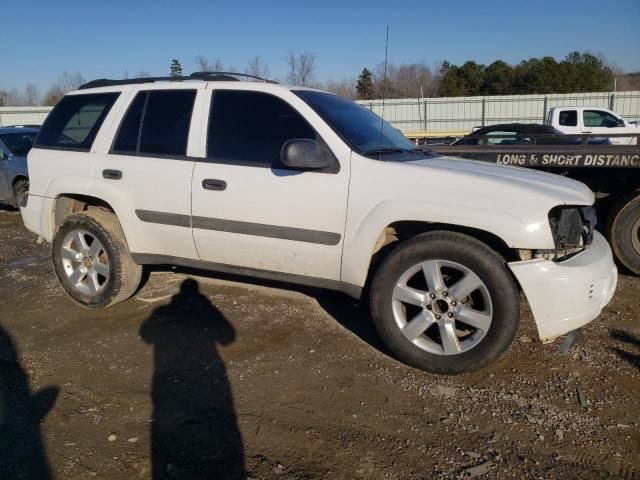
[572, 230]
[572, 227]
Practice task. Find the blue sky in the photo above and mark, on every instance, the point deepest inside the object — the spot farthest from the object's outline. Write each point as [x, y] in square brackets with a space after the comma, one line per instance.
[40, 39]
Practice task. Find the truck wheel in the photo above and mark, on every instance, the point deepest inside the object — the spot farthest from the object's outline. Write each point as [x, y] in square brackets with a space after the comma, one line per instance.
[92, 260]
[445, 302]
[20, 192]
[624, 231]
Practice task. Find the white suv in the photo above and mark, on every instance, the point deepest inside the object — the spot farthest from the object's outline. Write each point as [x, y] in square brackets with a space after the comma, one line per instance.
[306, 187]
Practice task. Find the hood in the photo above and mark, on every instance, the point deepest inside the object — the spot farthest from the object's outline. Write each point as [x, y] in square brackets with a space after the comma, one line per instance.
[563, 189]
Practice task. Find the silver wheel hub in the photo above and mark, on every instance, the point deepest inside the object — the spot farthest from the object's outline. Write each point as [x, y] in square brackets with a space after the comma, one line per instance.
[85, 262]
[442, 307]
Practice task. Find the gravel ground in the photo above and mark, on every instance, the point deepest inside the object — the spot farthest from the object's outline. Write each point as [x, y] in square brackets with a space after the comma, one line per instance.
[198, 375]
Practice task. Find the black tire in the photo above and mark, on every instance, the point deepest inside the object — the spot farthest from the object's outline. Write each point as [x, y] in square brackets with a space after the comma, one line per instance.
[472, 254]
[20, 192]
[623, 231]
[124, 274]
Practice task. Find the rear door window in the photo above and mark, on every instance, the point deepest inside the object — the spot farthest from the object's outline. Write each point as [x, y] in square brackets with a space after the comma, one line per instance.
[74, 122]
[129, 131]
[569, 118]
[166, 121]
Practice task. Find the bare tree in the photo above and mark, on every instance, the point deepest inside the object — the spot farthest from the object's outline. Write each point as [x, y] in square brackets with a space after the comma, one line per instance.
[69, 81]
[257, 67]
[31, 95]
[301, 68]
[345, 87]
[143, 74]
[65, 82]
[405, 81]
[206, 65]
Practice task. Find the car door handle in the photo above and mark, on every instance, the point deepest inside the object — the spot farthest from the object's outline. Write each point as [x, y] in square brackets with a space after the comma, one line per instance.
[213, 184]
[112, 174]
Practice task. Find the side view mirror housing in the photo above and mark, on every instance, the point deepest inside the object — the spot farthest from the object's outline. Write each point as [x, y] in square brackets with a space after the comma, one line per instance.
[303, 153]
[620, 123]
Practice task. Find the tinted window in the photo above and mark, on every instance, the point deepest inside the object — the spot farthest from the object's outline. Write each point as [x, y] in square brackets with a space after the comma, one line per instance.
[74, 122]
[569, 118]
[598, 118]
[127, 139]
[165, 125]
[363, 130]
[251, 127]
[507, 137]
[18, 143]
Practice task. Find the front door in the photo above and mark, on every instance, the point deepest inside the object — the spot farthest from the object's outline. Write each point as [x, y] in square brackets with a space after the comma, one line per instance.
[604, 123]
[251, 211]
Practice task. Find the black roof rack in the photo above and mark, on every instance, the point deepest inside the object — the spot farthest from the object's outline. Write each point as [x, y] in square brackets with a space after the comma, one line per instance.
[208, 76]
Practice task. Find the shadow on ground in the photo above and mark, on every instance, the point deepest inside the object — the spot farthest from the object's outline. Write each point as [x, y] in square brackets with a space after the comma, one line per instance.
[351, 314]
[22, 454]
[194, 431]
[624, 337]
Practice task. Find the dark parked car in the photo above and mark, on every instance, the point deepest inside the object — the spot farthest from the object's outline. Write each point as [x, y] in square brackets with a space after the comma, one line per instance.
[523, 134]
[15, 143]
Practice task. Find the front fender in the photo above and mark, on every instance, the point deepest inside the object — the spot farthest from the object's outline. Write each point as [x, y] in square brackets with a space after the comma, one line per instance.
[362, 233]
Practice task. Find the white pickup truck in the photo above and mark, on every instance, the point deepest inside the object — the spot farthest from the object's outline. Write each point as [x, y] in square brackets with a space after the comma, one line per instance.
[592, 120]
[322, 192]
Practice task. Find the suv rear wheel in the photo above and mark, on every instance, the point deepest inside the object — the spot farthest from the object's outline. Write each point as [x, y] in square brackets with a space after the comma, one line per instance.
[92, 260]
[445, 302]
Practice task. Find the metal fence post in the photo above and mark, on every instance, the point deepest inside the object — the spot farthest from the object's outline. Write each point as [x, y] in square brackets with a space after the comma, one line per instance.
[545, 108]
[424, 106]
[612, 102]
[484, 104]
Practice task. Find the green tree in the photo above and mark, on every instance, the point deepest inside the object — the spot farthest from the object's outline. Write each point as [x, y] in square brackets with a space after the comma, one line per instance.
[175, 69]
[451, 81]
[365, 87]
[498, 79]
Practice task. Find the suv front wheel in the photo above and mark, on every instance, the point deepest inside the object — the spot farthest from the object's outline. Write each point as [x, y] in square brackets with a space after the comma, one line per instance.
[445, 302]
[92, 261]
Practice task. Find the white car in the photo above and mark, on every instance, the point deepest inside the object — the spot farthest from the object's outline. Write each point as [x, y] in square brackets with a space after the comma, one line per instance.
[307, 187]
[593, 120]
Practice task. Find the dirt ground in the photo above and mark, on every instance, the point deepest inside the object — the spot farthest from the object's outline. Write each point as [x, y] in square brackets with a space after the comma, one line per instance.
[199, 375]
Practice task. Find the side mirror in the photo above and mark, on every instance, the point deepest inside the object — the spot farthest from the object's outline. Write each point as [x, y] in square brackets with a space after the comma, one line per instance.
[620, 123]
[303, 153]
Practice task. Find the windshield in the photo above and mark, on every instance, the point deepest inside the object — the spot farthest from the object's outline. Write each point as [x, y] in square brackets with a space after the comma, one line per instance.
[18, 143]
[363, 130]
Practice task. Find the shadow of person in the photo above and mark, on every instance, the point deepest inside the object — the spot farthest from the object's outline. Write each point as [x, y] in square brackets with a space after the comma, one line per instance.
[22, 455]
[194, 432]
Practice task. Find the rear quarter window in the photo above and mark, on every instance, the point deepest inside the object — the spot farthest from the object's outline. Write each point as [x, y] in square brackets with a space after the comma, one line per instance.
[74, 122]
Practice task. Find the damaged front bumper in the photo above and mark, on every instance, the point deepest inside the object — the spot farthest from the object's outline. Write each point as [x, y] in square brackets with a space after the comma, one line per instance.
[566, 295]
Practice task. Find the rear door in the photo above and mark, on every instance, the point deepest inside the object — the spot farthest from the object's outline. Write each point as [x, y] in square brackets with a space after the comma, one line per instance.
[251, 211]
[147, 171]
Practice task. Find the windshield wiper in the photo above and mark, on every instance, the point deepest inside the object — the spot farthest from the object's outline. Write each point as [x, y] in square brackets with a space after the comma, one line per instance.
[384, 150]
